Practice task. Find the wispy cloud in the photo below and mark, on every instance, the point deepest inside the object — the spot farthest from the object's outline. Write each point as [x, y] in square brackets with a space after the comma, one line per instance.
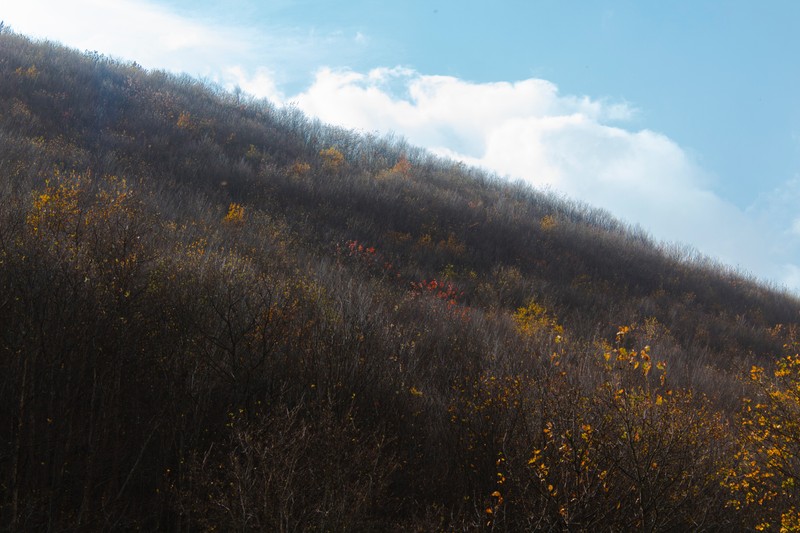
[156, 36]
[141, 31]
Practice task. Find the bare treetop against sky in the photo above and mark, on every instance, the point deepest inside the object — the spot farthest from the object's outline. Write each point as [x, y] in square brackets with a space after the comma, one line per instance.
[683, 117]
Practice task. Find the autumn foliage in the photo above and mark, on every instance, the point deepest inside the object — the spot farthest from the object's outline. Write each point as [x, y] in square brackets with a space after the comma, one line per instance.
[220, 315]
[763, 477]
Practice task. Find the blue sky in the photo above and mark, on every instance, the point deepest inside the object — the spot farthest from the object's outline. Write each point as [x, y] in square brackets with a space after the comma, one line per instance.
[682, 117]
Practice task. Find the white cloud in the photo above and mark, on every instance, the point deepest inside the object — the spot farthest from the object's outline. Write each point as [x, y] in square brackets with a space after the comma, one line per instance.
[439, 112]
[260, 84]
[529, 130]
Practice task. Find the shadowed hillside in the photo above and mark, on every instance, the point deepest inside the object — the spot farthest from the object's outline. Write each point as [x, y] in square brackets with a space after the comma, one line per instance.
[216, 314]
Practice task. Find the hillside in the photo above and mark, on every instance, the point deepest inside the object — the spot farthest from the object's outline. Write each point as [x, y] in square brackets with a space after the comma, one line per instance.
[218, 314]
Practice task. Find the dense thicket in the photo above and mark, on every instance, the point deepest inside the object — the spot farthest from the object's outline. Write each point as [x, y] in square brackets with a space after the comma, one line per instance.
[216, 314]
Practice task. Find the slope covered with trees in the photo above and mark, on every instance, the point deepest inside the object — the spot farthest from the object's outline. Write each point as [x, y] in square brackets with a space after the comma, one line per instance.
[220, 315]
